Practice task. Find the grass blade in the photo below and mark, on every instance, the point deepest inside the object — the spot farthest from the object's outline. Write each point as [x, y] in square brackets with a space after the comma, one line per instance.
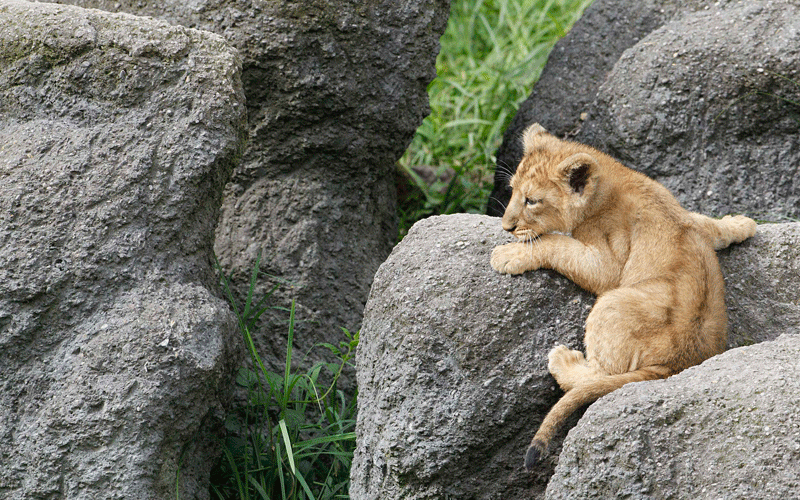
[288, 368]
[288, 443]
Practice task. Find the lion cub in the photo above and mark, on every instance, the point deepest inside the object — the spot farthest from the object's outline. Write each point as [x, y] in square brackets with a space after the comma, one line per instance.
[660, 295]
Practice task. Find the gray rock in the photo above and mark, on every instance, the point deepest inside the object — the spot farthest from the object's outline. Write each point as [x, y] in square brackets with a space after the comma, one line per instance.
[450, 380]
[724, 144]
[335, 91]
[762, 275]
[452, 367]
[117, 136]
[727, 429]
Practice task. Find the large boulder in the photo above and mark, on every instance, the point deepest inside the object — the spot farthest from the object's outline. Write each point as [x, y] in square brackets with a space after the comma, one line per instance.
[761, 278]
[452, 362]
[117, 136]
[451, 368]
[703, 98]
[335, 91]
[725, 429]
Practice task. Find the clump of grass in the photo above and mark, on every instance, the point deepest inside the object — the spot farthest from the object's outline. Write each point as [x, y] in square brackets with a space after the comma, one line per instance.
[294, 437]
[492, 53]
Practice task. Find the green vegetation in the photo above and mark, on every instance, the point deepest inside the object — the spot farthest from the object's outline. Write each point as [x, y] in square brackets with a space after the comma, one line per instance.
[294, 437]
[492, 53]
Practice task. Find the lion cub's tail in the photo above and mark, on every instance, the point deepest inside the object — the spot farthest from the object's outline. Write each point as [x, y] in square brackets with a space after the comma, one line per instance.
[579, 396]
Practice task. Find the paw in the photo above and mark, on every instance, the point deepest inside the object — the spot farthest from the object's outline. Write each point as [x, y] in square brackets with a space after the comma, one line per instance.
[741, 227]
[562, 356]
[513, 258]
[562, 363]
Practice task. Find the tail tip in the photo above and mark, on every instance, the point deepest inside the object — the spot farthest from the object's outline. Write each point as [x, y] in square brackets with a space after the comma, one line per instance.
[534, 455]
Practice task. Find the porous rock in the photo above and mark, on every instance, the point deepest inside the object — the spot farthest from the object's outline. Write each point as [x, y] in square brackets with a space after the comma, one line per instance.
[117, 136]
[335, 91]
[701, 97]
[728, 428]
[451, 367]
[762, 284]
[452, 362]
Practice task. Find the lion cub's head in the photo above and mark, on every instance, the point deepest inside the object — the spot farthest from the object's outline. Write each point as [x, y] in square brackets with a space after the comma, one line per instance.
[552, 186]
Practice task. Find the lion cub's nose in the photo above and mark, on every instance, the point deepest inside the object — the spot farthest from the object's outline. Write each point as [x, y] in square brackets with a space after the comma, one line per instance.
[510, 227]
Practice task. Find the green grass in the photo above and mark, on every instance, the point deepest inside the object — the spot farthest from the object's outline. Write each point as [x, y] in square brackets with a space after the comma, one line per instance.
[492, 53]
[294, 437]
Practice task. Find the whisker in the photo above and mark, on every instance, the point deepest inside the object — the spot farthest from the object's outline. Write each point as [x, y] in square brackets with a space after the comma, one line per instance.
[499, 202]
[504, 171]
[503, 176]
[505, 166]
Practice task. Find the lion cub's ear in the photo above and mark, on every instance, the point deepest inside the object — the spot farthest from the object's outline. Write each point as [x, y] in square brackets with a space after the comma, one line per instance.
[577, 171]
[530, 135]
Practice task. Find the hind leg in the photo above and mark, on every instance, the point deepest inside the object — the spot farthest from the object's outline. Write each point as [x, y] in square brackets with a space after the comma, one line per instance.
[570, 368]
[727, 230]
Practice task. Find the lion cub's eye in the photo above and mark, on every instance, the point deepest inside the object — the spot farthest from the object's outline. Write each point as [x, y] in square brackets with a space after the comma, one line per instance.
[530, 202]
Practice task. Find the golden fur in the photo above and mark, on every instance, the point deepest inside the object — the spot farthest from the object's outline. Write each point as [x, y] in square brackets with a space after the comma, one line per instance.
[660, 295]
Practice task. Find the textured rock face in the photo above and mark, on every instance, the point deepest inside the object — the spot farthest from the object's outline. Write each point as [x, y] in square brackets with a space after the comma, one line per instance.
[452, 361]
[451, 367]
[117, 135]
[729, 428]
[695, 96]
[761, 283]
[335, 91]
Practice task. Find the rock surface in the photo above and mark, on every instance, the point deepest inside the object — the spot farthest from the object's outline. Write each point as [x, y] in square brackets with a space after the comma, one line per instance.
[701, 97]
[729, 428]
[452, 360]
[335, 91]
[450, 383]
[762, 280]
[117, 136]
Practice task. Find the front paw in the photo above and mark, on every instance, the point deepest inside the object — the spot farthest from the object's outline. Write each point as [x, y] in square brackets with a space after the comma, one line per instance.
[513, 258]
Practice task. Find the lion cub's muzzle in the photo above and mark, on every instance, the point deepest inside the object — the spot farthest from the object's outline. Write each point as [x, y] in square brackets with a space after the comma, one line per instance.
[524, 234]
